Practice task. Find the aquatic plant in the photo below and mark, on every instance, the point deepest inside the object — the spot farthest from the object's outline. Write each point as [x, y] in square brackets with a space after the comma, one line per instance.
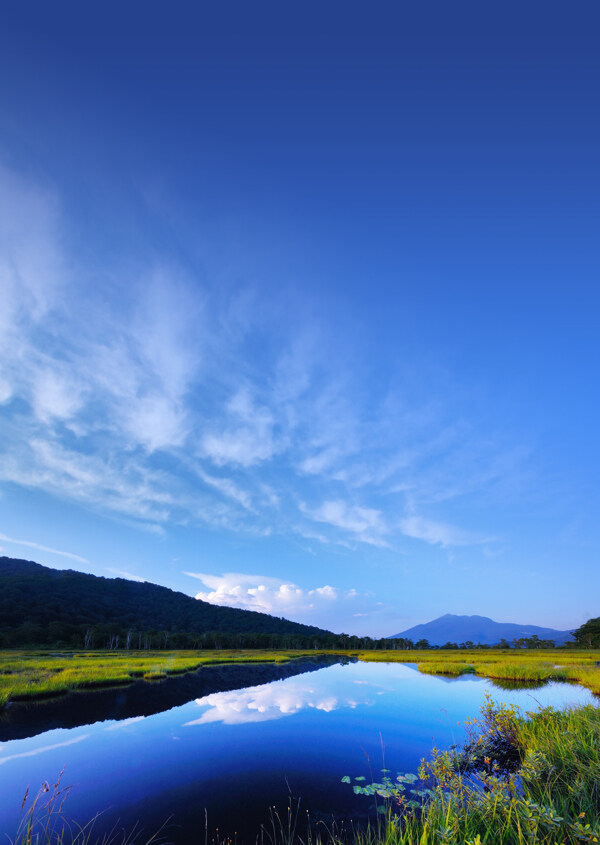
[520, 779]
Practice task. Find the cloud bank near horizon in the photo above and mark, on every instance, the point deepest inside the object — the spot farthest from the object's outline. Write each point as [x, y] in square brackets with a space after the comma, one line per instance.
[277, 597]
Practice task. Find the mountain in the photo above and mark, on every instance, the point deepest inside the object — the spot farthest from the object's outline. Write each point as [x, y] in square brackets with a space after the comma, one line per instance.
[39, 605]
[478, 629]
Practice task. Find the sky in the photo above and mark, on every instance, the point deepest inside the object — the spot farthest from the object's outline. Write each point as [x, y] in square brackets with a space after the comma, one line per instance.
[299, 304]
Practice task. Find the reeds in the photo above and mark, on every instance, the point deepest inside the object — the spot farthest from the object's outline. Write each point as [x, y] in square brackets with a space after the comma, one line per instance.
[43, 822]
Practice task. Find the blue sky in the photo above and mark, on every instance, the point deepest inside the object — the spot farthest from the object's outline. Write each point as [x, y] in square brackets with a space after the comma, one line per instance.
[299, 304]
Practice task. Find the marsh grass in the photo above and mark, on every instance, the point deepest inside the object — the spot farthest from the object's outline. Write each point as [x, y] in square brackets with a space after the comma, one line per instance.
[43, 822]
[27, 675]
[537, 666]
[446, 668]
[520, 671]
[519, 780]
[34, 674]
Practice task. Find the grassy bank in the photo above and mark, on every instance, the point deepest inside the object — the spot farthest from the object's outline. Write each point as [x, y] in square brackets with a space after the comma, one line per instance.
[27, 675]
[36, 674]
[551, 795]
[533, 666]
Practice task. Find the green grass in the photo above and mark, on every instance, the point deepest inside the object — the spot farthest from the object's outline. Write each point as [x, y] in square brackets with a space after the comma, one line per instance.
[36, 674]
[446, 668]
[533, 666]
[551, 796]
[26, 675]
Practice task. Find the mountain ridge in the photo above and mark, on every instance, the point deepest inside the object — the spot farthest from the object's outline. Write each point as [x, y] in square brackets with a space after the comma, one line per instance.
[35, 598]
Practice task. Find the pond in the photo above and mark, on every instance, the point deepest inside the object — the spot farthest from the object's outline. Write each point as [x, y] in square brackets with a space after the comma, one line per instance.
[240, 742]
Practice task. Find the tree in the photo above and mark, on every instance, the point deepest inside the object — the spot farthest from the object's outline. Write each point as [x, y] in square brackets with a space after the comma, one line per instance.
[588, 635]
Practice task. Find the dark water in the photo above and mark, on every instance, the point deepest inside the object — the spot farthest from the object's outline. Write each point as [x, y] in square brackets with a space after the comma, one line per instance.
[173, 751]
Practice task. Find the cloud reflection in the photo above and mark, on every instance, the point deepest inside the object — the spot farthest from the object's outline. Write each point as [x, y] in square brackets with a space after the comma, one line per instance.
[272, 701]
[35, 751]
[124, 723]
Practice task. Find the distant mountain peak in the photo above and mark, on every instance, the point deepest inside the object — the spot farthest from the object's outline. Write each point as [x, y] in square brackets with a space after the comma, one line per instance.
[454, 628]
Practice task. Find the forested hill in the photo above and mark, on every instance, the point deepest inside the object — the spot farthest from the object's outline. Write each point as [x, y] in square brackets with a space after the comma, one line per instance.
[41, 606]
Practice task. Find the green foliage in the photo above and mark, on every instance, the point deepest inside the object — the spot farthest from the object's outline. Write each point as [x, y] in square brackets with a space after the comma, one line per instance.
[72, 609]
[25, 675]
[588, 635]
[519, 780]
[66, 609]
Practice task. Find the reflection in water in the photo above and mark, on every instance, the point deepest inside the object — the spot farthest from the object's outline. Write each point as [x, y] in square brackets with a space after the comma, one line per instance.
[272, 701]
[28, 718]
[250, 746]
[507, 684]
[35, 751]
[125, 723]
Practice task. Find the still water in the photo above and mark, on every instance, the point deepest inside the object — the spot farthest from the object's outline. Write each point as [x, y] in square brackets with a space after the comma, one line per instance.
[229, 754]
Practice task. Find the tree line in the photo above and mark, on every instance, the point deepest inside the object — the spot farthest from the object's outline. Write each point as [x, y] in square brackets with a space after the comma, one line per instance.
[115, 637]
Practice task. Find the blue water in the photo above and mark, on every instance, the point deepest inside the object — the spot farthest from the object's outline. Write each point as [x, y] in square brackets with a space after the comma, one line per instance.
[229, 756]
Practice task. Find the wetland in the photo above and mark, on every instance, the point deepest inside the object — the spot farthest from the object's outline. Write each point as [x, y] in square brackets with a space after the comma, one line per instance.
[222, 744]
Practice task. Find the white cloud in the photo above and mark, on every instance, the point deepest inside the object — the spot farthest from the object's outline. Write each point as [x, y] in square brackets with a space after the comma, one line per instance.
[29, 279]
[275, 596]
[365, 524]
[118, 483]
[319, 462]
[129, 576]
[35, 751]
[261, 704]
[55, 395]
[440, 533]
[125, 723]
[275, 701]
[155, 421]
[228, 488]
[112, 377]
[248, 439]
[41, 548]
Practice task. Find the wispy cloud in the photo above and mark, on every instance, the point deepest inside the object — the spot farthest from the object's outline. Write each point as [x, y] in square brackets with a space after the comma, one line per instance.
[144, 400]
[365, 524]
[40, 548]
[249, 440]
[125, 723]
[129, 576]
[42, 749]
[227, 488]
[444, 534]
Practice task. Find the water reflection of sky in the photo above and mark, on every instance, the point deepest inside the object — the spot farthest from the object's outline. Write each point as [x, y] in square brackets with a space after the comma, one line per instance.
[337, 687]
[282, 698]
[302, 733]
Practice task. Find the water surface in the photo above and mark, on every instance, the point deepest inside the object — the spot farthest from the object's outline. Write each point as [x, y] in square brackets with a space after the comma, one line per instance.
[236, 752]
